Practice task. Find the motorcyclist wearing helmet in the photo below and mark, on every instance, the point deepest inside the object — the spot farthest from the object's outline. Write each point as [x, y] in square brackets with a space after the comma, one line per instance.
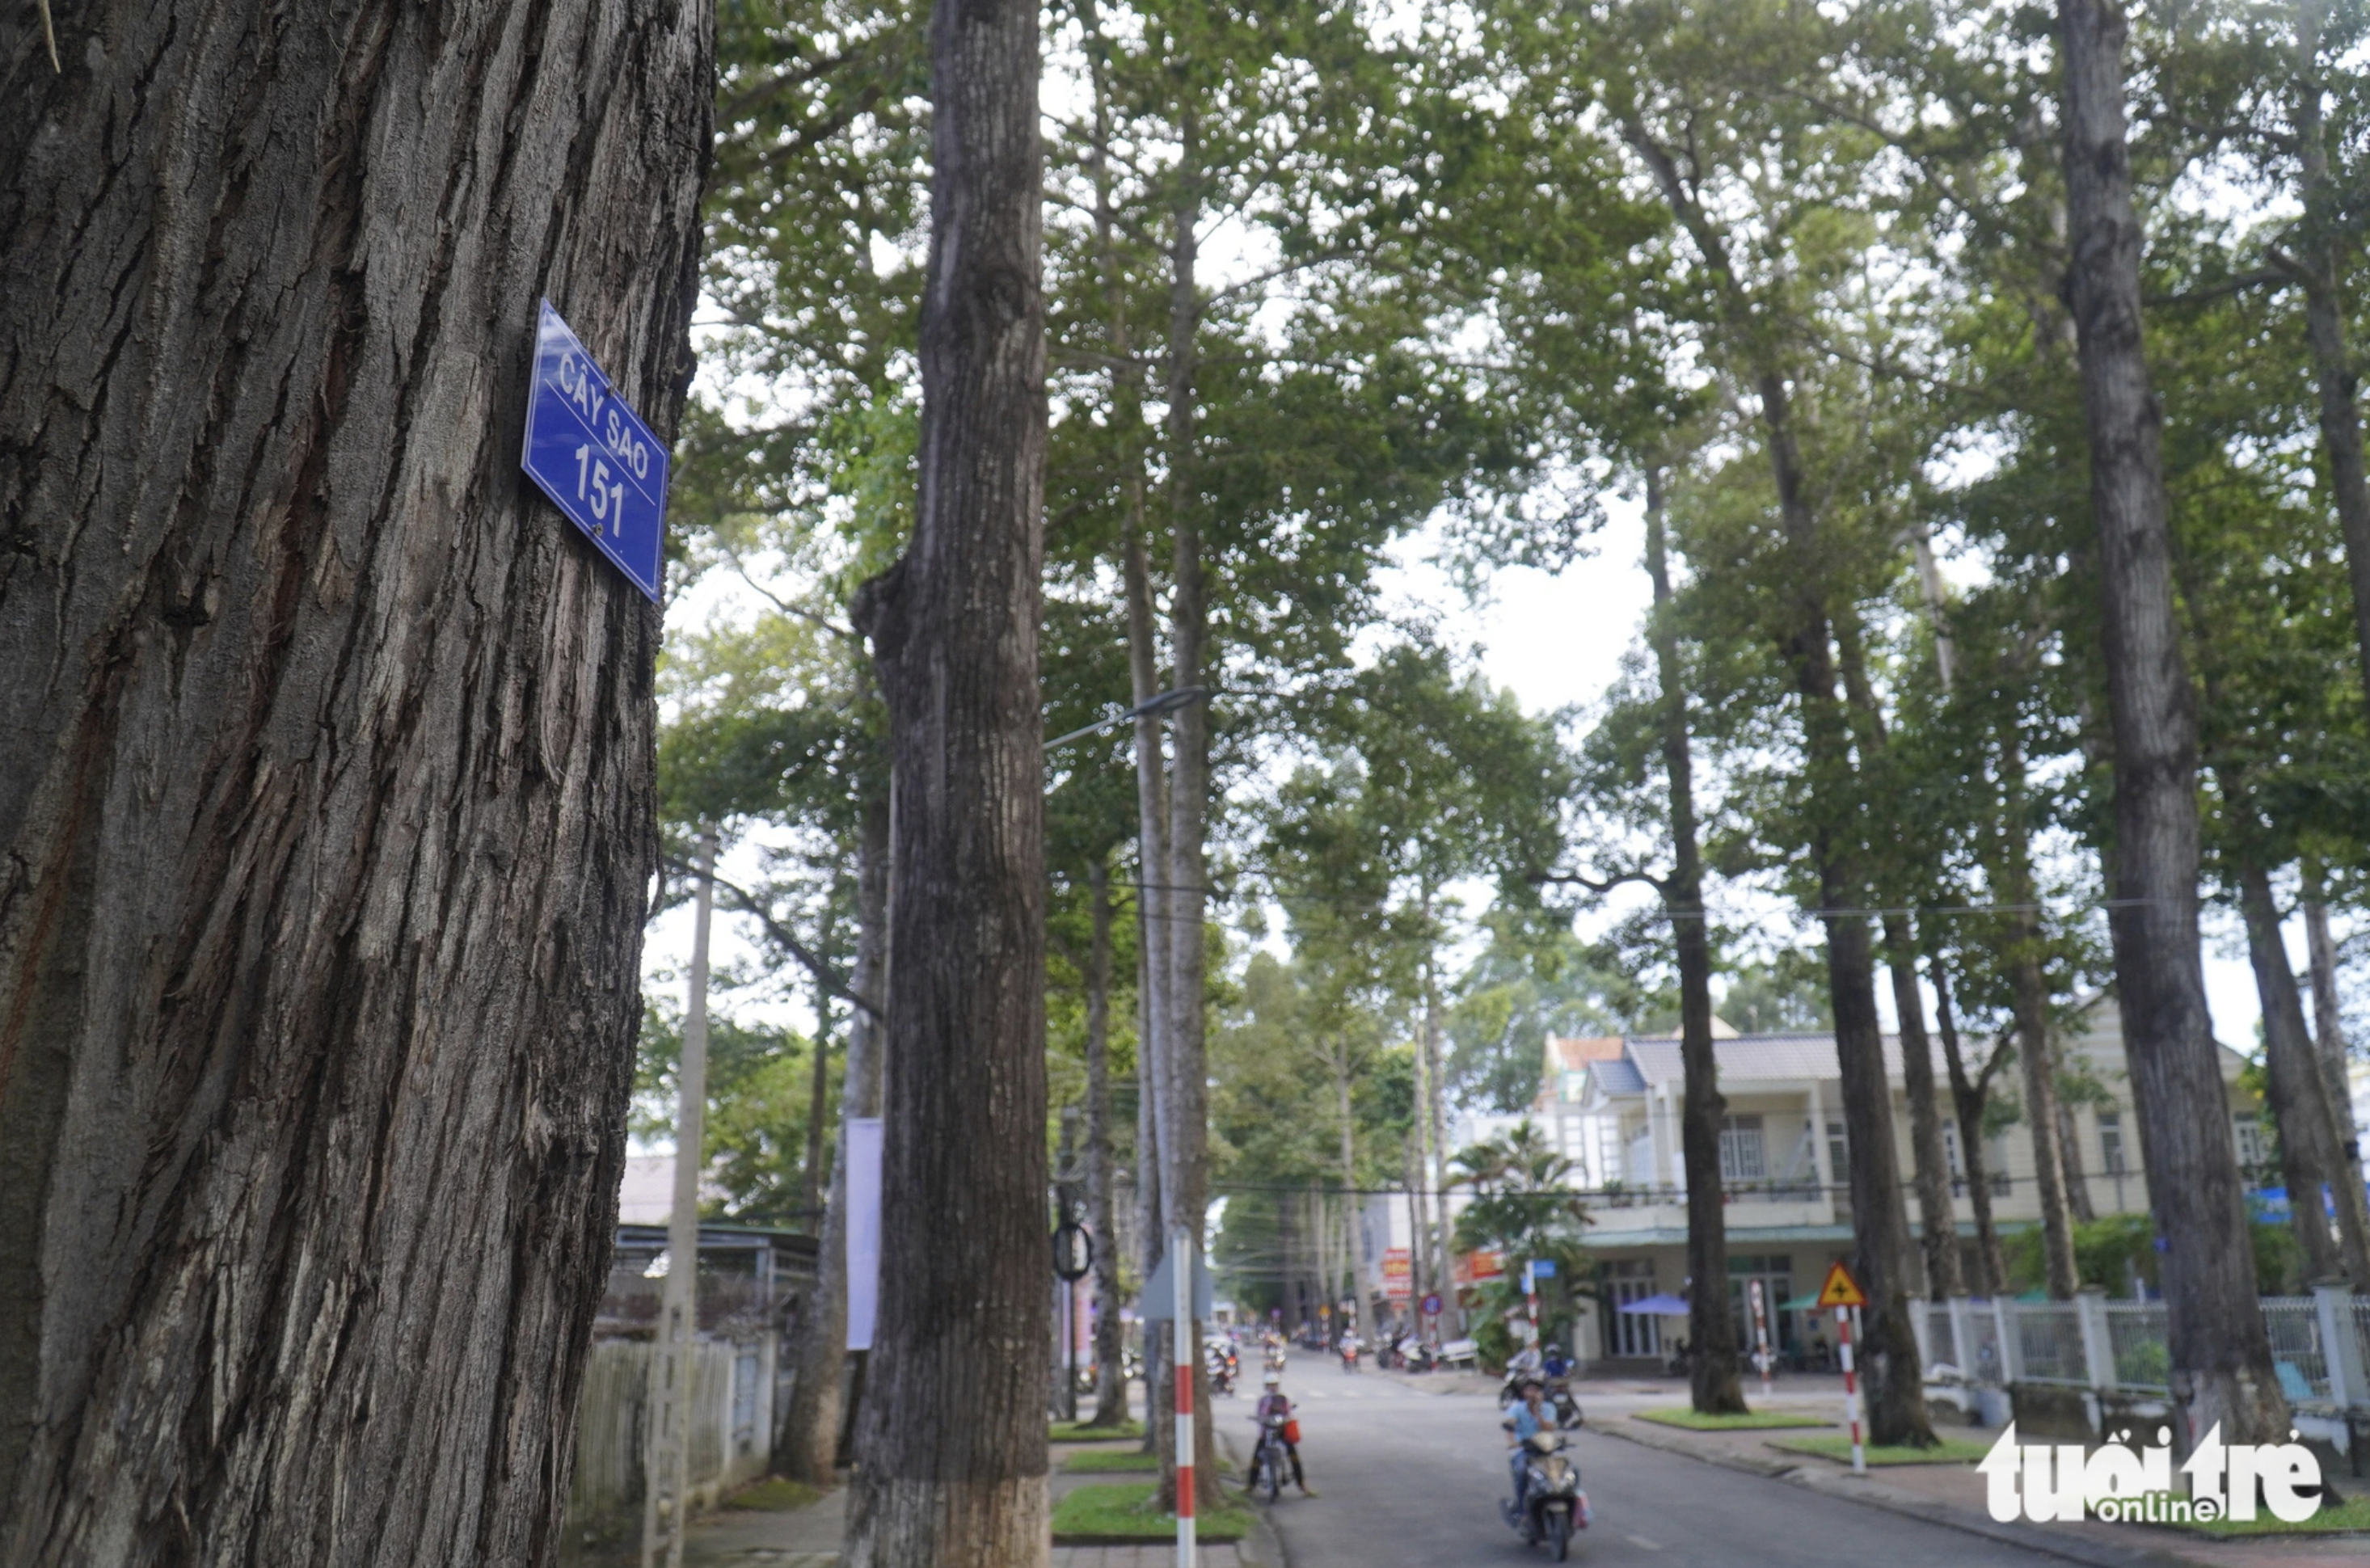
[1272, 1402]
[1528, 1419]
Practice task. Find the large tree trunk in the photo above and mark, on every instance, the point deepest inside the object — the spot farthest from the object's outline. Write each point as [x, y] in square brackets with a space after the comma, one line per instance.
[951, 1454]
[1929, 1171]
[1110, 1380]
[1711, 1328]
[2029, 999]
[2040, 1067]
[2221, 1356]
[809, 1445]
[1184, 1093]
[1896, 1396]
[2310, 1154]
[1967, 1094]
[1931, 1164]
[2320, 265]
[325, 766]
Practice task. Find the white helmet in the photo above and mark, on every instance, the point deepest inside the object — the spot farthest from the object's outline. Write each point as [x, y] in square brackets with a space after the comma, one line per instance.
[1273, 1381]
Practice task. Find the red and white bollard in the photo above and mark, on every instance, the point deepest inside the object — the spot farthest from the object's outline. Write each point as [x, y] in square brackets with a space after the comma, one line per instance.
[1844, 1316]
[1180, 1249]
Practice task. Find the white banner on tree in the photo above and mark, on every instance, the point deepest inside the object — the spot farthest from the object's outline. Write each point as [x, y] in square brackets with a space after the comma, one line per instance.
[860, 1147]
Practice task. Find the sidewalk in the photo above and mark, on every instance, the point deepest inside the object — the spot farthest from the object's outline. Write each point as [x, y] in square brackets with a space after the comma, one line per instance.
[1952, 1495]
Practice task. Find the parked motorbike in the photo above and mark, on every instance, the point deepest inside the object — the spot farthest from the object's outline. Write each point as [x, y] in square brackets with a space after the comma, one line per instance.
[1553, 1506]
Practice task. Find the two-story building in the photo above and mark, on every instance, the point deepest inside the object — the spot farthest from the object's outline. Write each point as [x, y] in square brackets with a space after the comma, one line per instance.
[1614, 1107]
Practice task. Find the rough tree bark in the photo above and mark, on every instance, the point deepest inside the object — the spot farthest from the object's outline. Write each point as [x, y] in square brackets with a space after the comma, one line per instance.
[809, 1445]
[2221, 1356]
[951, 1461]
[1111, 1379]
[325, 765]
[1711, 1327]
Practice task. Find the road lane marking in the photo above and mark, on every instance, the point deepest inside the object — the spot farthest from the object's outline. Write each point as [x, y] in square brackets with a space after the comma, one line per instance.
[1641, 1540]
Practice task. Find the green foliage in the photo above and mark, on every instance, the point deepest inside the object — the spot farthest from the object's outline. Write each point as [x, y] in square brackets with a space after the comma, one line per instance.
[2114, 1249]
[759, 1091]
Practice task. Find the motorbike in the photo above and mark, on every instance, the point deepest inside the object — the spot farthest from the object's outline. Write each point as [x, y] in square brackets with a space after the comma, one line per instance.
[1418, 1355]
[1553, 1506]
[1349, 1356]
[1222, 1373]
[1267, 1459]
[1560, 1401]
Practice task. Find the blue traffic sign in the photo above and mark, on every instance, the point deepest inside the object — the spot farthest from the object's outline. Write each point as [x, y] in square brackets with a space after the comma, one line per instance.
[593, 455]
[1543, 1268]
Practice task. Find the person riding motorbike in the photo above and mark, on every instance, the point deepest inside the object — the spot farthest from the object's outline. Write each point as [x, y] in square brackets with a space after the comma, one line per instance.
[1273, 1404]
[1528, 1419]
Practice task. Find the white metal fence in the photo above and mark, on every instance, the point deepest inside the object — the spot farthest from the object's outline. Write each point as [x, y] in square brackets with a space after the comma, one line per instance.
[2049, 1343]
[2320, 1344]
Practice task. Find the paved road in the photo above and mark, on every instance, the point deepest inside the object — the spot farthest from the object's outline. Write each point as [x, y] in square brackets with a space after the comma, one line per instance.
[1406, 1477]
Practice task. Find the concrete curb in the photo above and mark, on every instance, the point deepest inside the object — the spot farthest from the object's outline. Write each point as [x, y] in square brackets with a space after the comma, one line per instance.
[1874, 1494]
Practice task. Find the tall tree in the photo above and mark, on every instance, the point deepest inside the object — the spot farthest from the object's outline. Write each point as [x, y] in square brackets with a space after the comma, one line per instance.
[952, 1449]
[2221, 1356]
[326, 792]
[1711, 1327]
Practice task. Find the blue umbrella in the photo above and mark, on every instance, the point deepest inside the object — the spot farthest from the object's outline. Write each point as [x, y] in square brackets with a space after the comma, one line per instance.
[1658, 1305]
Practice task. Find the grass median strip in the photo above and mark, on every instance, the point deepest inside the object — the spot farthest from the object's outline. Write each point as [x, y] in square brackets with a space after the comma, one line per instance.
[1838, 1447]
[2351, 1514]
[1751, 1420]
[1079, 1431]
[1121, 1513]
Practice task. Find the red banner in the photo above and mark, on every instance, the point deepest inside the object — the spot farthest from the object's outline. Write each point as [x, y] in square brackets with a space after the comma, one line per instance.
[1398, 1274]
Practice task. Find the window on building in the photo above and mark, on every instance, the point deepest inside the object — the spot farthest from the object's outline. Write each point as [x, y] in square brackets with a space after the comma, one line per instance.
[2253, 1153]
[1838, 1152]
[1641, 1158]
[2111, 1141]
[1739, 1149]
[1996, 1157]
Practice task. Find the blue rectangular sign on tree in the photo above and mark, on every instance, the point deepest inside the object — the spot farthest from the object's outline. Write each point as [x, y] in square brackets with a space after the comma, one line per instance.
[594, 455]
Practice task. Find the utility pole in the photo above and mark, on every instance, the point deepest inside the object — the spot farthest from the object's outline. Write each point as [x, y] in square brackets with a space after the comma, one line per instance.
[666, 1463]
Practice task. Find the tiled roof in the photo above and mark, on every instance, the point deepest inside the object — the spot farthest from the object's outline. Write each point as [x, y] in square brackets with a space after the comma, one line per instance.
[1619, 1075]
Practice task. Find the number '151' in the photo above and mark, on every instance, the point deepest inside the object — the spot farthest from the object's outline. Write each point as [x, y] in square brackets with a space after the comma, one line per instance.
[592, 483]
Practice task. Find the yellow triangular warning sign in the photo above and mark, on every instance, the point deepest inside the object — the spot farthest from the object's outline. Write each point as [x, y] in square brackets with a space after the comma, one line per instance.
[1841, 1289]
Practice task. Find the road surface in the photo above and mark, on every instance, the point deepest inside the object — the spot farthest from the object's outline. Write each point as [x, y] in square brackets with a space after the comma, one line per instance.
[1406, 1476]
